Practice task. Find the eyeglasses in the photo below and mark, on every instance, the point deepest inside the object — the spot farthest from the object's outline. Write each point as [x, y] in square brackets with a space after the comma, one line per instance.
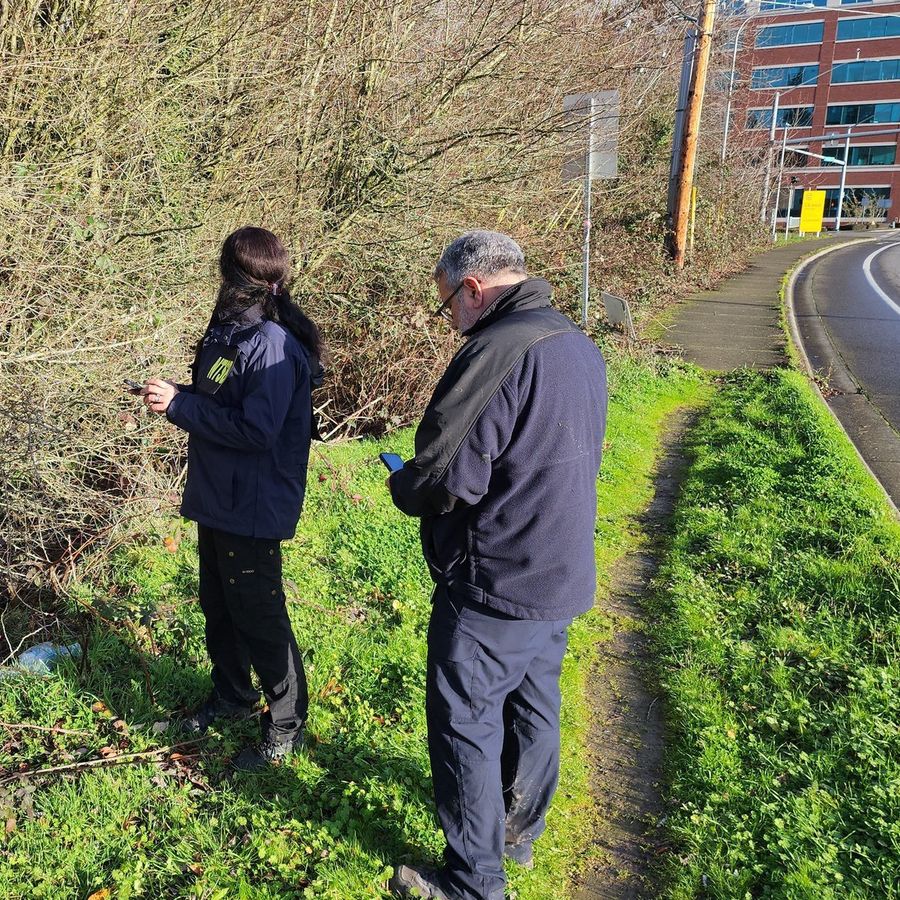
[444, 310]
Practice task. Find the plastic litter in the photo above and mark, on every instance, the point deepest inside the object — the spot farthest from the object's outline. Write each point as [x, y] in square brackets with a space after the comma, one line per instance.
[41, 658]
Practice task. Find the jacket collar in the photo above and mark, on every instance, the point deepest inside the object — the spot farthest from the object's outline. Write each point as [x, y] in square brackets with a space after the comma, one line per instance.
[532, 293]
[244, 318]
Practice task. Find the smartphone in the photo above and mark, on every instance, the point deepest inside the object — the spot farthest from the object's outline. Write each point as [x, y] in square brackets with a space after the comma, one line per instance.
[393, 461]
[133, 385]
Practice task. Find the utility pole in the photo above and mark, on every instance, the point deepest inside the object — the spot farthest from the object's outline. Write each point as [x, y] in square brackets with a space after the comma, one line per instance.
[778, 183]
[840, 203]
[769, 151]
[684, 86]
[691, 133]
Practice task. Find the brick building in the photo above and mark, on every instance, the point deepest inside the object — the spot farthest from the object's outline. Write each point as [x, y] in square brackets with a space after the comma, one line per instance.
[836, 67]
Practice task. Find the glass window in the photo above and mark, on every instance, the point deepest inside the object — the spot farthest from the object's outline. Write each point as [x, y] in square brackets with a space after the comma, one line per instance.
[784, 195]
[785, 35]
[865, 27]
[857, 201]
[776, 5]
[793, 159]
[863, 114]
[875, 155]
[785, 76]
[866, 70]
[788, 116]
[722, 81]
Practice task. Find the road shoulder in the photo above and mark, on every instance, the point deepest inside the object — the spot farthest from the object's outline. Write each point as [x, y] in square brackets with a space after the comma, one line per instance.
[876, 442]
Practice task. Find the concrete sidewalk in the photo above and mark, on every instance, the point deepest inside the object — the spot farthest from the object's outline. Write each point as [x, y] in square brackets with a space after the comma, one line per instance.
[739, 324]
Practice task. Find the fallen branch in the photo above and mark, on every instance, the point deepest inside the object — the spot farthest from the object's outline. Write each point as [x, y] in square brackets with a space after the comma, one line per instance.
[55, 729]
[117, 760]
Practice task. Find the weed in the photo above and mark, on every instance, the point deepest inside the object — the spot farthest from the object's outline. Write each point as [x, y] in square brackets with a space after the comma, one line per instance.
[330, 823]
[778, 623]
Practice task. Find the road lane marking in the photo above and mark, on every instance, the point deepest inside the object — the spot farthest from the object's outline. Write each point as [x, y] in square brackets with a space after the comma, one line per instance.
[867, 271]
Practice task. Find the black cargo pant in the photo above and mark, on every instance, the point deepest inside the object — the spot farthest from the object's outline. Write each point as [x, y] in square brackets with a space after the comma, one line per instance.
[492, 704]
[247, 625]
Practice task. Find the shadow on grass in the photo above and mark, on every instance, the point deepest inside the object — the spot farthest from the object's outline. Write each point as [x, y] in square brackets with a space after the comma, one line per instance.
[350, 788]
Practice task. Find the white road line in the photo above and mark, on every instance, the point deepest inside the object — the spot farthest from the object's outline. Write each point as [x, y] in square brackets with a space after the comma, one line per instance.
[867, 271]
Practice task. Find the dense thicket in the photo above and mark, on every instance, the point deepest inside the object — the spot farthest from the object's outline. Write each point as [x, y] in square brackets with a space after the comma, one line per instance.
[135, 136]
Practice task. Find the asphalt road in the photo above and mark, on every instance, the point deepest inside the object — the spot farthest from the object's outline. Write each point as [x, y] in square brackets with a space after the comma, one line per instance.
[857, 296]
[847, 308]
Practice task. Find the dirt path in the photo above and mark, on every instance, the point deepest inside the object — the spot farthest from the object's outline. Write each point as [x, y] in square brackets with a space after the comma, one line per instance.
[628, 735]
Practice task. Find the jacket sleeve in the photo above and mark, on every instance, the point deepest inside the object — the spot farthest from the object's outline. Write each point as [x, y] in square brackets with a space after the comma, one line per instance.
[269, 382]
[466, 479]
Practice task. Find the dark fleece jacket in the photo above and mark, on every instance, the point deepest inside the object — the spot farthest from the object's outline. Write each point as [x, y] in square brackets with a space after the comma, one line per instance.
[507, 456]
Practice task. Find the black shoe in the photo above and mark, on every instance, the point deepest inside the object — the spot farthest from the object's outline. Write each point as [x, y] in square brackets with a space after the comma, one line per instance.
[522, 854]
[214, 708]
[409, 881]
[269, 750]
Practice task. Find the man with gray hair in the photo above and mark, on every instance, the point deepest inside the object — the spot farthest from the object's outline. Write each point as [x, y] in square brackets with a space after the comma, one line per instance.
[504, 483]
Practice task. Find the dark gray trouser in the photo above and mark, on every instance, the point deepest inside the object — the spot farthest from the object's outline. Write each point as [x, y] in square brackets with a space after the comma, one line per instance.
[492, 704]
[247, 624]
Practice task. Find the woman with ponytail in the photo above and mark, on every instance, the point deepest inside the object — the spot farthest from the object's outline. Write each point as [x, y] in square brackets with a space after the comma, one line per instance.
[248, 414]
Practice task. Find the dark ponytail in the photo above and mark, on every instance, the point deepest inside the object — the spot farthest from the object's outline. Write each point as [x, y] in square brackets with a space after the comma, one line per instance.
[255, 267]
[279, 307]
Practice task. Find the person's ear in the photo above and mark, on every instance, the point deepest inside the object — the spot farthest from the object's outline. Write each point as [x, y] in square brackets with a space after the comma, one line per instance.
[474, 285]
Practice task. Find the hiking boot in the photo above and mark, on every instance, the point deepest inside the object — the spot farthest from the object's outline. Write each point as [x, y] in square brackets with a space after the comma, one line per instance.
[269, 750]
[213, 708]
[409, 881]
[522, 854]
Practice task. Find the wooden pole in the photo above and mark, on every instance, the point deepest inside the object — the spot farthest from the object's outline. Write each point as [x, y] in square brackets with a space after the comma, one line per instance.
[692, 133]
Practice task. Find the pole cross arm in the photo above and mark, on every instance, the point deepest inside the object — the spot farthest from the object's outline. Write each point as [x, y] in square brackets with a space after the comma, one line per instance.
[840, 136]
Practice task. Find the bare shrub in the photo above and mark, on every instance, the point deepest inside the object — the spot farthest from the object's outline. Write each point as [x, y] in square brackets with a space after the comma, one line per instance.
[134, 137]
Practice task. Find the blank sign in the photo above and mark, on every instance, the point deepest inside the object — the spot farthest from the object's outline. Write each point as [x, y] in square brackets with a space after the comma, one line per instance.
[593, 135]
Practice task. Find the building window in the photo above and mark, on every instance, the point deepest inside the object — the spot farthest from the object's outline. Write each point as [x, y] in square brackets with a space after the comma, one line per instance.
[794, 159]
[874, 155]
[862, 29]
[849, 2]
[863, 114]
[860, 202]
[866, 70]
[785, 76]
[785, 35]
[784, 195]
[788, 117]
[776, 5]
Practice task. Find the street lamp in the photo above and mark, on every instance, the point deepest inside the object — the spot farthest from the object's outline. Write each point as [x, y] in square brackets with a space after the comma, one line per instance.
[734, 53]
[737, 43]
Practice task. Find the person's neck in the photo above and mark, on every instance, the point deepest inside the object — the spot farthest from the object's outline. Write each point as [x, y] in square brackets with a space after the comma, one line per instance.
[492, 291]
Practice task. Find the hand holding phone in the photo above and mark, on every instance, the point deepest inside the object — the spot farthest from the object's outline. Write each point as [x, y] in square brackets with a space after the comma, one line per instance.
[393, 461]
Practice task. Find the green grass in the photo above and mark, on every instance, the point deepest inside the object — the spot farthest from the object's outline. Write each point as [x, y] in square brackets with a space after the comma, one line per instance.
[778, 623]
[331, 822]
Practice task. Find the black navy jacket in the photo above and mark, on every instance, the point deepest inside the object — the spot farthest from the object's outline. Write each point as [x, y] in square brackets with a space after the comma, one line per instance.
[249, 417]
[507, 457]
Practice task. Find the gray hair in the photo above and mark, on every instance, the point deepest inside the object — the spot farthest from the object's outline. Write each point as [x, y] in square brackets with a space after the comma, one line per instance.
[483, 253]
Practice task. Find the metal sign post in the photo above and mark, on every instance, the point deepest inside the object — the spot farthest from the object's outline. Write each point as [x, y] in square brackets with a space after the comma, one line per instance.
[586, 247]
[596, 156]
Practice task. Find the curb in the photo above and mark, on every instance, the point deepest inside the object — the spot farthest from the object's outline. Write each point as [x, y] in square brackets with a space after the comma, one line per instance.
[797, 347]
